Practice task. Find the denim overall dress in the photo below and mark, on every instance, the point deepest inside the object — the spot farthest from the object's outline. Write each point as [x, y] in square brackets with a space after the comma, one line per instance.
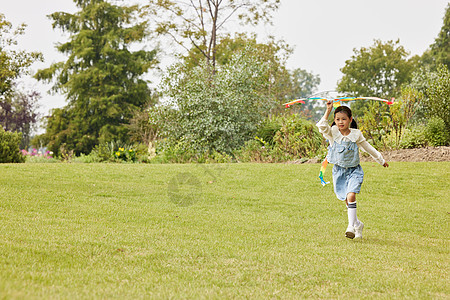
[347, 172]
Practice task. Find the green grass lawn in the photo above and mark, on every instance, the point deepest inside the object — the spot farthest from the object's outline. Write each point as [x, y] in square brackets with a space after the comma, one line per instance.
[102, 231]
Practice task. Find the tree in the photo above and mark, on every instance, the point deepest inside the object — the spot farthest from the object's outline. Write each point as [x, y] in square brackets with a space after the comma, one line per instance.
[380, 70]
[303, 84]
[274, 53]
[284, 84]
[199, 23]
[17, 108]
[18, 113]
[102, 78]
[440, 49]
[13, 63]
[218, 113]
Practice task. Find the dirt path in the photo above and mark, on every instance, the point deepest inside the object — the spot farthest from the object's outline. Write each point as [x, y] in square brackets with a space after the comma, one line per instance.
[413, 155]
[419, 154]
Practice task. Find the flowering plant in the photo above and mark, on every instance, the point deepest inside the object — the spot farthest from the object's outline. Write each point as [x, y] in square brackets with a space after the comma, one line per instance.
[35, 155]
[125, 154]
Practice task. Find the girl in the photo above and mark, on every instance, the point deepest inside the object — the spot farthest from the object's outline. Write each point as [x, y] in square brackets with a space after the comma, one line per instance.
[345, 140]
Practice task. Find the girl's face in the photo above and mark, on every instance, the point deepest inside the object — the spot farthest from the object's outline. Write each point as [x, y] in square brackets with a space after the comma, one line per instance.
[342, 121]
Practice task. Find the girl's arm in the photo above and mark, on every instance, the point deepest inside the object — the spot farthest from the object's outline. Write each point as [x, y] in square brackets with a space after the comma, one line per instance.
[364, 145]
[324, 127]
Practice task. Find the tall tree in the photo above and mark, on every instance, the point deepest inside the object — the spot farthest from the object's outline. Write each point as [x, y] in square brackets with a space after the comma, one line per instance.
[440, 49]
[200, 23]
[303, 84]
[102, 77]
[380, 70]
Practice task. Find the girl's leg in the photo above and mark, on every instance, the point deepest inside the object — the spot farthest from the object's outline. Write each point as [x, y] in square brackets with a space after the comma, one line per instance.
[351, 211]
[353, 221]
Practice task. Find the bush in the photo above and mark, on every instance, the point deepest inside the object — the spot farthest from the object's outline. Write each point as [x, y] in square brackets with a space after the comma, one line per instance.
[293, 139]
[439, 95]
[38, 156]
[9, 147]
[181, 151]
[115, 152]
[436, 133]
[414, 137]
[268, 129]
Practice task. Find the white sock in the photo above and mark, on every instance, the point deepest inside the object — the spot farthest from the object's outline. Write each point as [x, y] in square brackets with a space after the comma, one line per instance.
[351, 211]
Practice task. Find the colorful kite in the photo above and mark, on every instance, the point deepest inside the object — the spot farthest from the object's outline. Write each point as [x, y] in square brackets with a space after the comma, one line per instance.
[337, 101]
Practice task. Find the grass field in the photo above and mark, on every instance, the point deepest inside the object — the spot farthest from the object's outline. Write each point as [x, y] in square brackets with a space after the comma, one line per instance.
[104, 231]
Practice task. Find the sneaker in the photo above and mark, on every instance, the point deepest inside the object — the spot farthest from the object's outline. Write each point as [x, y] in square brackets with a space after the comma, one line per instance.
[358, 230]
[350, 232]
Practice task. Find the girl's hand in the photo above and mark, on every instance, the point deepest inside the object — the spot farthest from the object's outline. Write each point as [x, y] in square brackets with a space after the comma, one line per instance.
[329, 105]
[386, 165]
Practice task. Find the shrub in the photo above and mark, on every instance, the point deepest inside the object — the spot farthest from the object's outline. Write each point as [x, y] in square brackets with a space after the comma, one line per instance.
[298, 137]
[294, 139]
[9, 147]
[436, 132]
[114, 152]
[181, 151]
[38, 156]
[439, 95]
[268, 129]
[414, 137]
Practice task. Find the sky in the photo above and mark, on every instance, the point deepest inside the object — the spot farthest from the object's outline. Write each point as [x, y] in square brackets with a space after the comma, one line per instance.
[323, 33]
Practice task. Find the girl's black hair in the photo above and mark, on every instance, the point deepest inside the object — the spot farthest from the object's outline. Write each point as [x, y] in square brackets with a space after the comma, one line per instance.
[346, 110]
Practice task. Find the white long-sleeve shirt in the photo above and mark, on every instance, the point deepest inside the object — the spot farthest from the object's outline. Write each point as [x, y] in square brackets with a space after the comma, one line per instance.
[332, 134]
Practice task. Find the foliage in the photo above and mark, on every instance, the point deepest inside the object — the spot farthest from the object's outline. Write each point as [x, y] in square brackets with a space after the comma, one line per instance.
[198, 24]
[302, 85]
[38, 156]
[18, 113]
[436, 132]
[219, 113]
[379, 70]
[101, 77]
[438, 91]
[281, 82]
[402, 111]
[116, 151]
[375, 124]
[283, 138]
[13, 63]
[298, 137]
[257, 150]
[127, 155]
[182, 152]
[414, 137]
[9, 147]
[17, 108]
[268, 129]
[440, 49]
[141, 128]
